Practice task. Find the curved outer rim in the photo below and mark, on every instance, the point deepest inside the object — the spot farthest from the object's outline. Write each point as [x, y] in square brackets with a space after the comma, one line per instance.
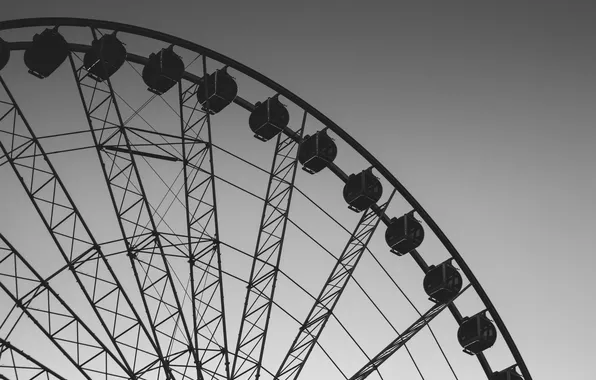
[167, 38]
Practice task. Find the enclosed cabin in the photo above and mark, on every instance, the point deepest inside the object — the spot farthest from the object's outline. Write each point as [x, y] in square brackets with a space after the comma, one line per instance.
[4, 53]
[217, 91]
[442, 282]
[46, 53]
[362, 190]
[404, 234]
[317, 151]
[507, 374]
[268, 118]
[476, 333]
[105, 57]
[163, 70]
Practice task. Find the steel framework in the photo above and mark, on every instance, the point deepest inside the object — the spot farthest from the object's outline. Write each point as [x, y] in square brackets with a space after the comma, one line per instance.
[266, 259]
[323, 306]
[164, 339]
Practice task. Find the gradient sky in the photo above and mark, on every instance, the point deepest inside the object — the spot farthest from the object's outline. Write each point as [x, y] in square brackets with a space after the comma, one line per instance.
[484, 111]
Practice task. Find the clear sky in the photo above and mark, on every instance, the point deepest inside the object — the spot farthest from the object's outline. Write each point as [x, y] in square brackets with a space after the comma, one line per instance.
[484, 110]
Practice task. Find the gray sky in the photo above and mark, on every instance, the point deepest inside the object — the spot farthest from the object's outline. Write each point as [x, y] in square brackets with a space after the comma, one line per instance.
[484, 111]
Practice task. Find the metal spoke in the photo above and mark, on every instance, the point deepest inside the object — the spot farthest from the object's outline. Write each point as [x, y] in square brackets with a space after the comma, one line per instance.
[73, 238]
[209, 323]
[403, 338]
[176, 262]
[330, 294]
[55, 319]
[22, 365]
[151, 268]
[264, 270]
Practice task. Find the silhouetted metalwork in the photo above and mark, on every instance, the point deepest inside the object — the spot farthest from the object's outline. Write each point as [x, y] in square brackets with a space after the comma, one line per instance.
[202, 237]
[23, 366]
[322, 309]
[167, 343]
[81, 252]
[258, 302]
[142, 239]
[400, 341]
[55, 319]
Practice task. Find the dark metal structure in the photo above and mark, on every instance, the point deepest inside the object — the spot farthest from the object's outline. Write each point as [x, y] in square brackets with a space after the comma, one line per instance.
[260, 292]
[322, 309]
[169, 317]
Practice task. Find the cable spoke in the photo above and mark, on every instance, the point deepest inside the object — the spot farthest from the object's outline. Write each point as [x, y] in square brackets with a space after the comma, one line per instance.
[403, 338]
[332, 290]
[176, 261]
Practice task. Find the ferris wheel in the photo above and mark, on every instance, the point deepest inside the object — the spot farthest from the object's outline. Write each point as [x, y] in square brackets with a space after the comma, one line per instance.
[156, 224]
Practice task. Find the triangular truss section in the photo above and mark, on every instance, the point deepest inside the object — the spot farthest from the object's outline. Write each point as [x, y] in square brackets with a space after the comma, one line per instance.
[202, 237]
[81, 252]
[330, 294]
[55, 319]
[374, 363]
[15, 364]
[150, 264]
[265, 266]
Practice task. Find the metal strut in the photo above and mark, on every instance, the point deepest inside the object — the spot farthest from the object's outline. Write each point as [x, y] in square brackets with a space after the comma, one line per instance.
[54, 318]
[264, 270]
[323, 306]
[402, 339]
[166, 38]
[138, 228]
[72, 236]
[22, 364]
[202, 244]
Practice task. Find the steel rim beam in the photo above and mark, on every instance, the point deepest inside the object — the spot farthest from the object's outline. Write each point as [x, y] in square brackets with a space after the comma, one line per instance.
[164, 37]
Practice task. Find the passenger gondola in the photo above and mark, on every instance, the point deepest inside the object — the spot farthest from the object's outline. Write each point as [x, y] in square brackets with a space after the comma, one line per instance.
[217, 91]
[362, 190]
[476, 333]
[404, 234]
[105, 57]
[163, 70]
[47, 52]
[442, 282]
[268, 118]
[317, 151]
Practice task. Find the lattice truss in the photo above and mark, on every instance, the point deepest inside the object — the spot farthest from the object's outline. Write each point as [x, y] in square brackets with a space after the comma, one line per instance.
[167, 319]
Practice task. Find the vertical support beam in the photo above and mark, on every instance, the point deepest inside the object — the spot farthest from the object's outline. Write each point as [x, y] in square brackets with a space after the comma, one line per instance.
[323, 307]
[202, 248]
[141, 237]
[265, 265]
[71, 234]
[54, 318]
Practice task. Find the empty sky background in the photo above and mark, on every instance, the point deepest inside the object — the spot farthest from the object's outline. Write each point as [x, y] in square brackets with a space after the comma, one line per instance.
[484, 110]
